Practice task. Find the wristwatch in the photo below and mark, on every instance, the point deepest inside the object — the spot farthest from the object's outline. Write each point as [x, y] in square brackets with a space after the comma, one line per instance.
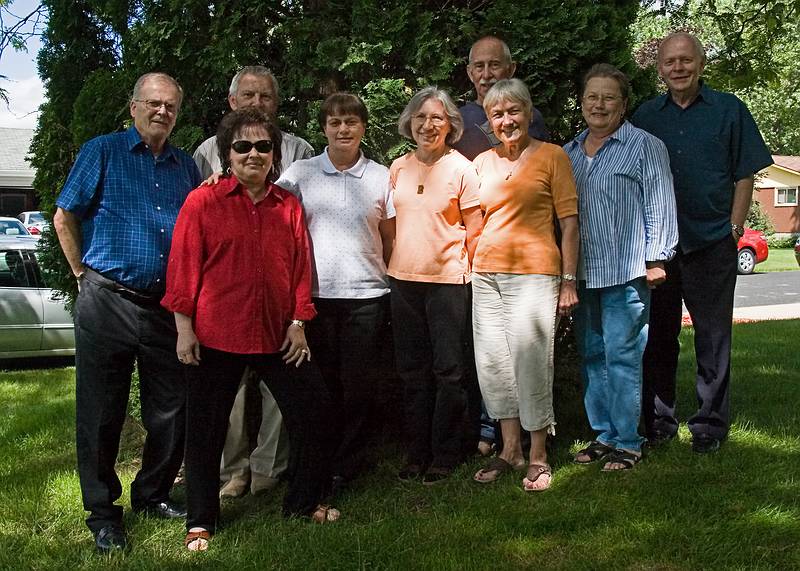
[300, 324]
[568, 278]
[738, 230]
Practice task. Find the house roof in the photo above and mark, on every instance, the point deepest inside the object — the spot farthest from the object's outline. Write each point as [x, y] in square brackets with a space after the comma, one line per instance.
[791, 163]
[15, 171]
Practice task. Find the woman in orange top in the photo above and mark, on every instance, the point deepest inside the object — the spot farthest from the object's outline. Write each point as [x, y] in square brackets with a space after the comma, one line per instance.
[522, 282]
[435, 194]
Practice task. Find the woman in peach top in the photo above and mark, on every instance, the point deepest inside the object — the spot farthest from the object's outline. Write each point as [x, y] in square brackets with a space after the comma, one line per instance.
[522, 282]
[435, 194]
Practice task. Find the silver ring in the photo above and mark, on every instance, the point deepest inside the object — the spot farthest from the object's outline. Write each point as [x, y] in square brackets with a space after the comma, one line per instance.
[304, 350]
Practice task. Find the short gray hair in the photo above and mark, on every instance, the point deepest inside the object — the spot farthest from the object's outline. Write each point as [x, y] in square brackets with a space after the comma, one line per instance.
[508, 89]
[258, 71]
[503, 45]
[450, 109]
[137, 87]
[611, 72]
[698, 45]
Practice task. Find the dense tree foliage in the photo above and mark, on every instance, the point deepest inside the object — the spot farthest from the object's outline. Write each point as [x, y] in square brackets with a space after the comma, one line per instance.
[382, 49]
[753, 51]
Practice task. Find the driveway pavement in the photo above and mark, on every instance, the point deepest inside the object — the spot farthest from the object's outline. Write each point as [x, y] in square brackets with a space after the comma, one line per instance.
[773, 295]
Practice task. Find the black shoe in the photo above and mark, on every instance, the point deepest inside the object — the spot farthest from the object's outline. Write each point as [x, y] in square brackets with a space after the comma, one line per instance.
[110, 539]
[705, 444]
[436, 476]
[411, 472]
[164, 510]
[658, 438]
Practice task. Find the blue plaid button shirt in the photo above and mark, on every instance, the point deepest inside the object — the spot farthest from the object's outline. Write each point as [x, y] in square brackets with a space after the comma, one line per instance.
[128, 202]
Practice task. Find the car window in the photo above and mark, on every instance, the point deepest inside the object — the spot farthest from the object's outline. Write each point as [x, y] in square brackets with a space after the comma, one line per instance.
[12, 269]
[12, 228]
[35, 218]
[45, 278]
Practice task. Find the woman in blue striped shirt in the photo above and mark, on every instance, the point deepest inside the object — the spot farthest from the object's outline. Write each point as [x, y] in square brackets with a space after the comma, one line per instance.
[628, 230]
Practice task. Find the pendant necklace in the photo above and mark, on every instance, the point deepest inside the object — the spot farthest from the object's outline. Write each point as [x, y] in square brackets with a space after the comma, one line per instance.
[518, 162]
[421, 179]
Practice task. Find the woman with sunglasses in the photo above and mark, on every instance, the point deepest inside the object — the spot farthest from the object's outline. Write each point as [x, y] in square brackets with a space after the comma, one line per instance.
[241, 293]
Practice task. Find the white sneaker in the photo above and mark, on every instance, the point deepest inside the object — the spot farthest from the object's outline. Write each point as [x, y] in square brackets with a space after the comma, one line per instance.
[236, 487]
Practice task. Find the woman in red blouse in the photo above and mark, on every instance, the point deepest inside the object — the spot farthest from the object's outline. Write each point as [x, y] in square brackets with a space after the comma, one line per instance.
[239, 284]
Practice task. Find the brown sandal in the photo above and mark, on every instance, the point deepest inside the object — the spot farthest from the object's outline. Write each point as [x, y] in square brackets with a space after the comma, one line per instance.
[203, 537]
[496, 465]
[325, 514]
[536, 471]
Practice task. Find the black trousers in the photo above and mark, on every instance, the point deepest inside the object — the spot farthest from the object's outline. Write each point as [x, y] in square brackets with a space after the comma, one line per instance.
[705, 280]
[111, 333]
[303, 399]
[345, 343]
[473, 423]
[429, 324]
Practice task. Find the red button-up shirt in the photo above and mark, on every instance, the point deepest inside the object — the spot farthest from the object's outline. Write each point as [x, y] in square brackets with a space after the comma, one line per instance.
[241, 270]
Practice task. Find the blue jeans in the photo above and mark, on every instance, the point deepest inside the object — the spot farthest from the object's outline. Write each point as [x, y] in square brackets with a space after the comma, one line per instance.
[611, 327]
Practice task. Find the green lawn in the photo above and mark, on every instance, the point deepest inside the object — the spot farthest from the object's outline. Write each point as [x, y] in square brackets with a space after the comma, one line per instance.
[779, 260]
[737, 509]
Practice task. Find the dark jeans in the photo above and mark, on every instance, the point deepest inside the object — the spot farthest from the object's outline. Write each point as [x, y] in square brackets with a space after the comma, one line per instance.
[111, 333]
[345, 343]
[305, 406]
[705, 280]
[429, 322]
[477, 425]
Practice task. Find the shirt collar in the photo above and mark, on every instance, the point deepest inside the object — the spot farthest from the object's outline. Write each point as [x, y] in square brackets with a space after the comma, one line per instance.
[134, 140]
[621, 134]
[230, 185]
[705, 95]
[357, 170]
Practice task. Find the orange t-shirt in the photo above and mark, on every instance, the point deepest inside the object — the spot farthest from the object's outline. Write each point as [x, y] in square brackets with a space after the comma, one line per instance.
[430, 241]
[518, 224]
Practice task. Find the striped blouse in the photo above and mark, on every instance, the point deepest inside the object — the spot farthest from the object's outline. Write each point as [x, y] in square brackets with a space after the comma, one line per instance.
[626, 206]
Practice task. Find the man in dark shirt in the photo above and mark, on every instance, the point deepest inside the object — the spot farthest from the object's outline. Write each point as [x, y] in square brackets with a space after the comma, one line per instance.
[489, 62]
[114, 220]
[715, 149]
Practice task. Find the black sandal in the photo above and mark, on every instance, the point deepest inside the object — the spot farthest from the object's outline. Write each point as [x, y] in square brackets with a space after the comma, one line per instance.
[595, 451]
[627, 459]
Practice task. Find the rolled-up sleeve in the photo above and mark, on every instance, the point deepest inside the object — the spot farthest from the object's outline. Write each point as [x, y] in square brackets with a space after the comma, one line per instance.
[185, 265]
[660, 216]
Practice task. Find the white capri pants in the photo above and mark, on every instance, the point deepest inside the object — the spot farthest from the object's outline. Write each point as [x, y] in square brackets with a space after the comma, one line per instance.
[514, 324]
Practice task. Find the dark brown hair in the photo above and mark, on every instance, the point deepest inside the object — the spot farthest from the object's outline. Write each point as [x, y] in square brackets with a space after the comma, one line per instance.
[235, 123]
[342, 104]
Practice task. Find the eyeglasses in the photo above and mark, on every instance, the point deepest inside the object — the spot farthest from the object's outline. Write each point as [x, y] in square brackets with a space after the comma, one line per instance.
[155, 105]
[593, 98]
[244, 147]
[436, 120]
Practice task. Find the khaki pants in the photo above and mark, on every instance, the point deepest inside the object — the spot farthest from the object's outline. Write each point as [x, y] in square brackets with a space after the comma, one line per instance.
[270, 458]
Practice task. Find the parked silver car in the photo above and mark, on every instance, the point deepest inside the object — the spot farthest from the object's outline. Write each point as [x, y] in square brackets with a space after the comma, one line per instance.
[12, 227]
[33, 323]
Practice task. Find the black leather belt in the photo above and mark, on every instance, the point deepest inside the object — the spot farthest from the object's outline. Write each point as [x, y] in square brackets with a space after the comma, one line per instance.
[138, 296]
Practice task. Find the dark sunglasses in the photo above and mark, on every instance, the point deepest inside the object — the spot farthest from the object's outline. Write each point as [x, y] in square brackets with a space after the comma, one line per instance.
[244, 147]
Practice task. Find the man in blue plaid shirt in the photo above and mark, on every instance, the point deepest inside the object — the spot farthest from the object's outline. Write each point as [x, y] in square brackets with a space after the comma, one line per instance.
[114, 220]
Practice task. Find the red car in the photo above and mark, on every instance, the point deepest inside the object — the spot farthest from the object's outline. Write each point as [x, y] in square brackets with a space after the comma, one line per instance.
[753, 250]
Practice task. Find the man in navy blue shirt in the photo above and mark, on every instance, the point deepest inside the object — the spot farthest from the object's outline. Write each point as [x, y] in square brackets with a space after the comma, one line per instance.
[715, 149]
[114, 220]
[489, 61]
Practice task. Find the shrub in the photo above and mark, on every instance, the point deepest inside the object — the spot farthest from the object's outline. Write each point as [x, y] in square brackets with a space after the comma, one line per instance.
[757, 219]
